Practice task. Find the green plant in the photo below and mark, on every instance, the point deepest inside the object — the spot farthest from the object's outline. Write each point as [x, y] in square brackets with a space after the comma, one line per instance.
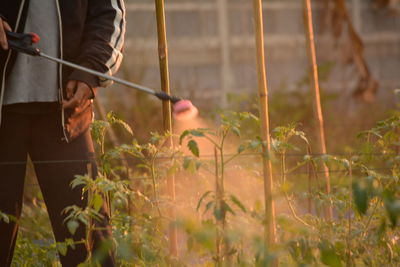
[226, 230]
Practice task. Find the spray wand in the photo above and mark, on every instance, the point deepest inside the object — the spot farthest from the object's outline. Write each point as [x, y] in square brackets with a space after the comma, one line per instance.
[23, 43]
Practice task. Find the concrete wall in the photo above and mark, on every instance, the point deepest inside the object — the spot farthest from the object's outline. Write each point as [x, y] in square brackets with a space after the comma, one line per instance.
[204, 65]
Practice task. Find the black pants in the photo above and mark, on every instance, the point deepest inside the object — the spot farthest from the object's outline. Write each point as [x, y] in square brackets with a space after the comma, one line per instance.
[56, 163]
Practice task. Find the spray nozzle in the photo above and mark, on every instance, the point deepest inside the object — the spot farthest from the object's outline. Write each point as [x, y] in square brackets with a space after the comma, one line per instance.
[22, 42]
[182, 109]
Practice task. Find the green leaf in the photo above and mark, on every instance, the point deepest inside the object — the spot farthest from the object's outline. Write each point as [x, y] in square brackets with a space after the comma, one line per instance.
[255, 144]
[156, 137]
[194, 148]
[183, 135]
[113, 119]
[219, 214]
[202, 198]
[190, 164]
[254, 117]
[238, 203]
[392, 206]
[172, 170]
[186, 162]
[80, 180]
[241, 148]
[4, 217]
[328, 255]
[125, 126]
[72, 225]
[227, 208]
[236, 131]
[62, 248]
[97, 202]
[197, 133]
[98, 129]
[209, 206]
[361, 196]
[70, 243]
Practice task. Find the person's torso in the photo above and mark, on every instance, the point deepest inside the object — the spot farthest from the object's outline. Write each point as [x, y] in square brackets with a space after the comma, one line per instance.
[71, 21]
[35, 79]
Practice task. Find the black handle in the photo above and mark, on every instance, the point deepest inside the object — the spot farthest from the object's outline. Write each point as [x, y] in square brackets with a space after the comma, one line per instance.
[164, 96]
[23, 42]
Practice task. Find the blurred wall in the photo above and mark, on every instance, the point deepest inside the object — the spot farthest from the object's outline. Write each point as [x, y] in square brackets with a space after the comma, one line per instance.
[211, 46]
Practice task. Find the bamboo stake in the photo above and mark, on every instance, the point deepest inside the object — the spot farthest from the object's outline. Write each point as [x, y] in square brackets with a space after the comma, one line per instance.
[223, 21]
[312, 59]
[270, 231]
[167, 114]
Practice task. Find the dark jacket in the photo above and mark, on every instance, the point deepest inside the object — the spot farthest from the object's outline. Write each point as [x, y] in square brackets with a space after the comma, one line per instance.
[91, 35]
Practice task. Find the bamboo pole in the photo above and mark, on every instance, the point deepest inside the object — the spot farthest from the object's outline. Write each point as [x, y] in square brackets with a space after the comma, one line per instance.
[167, 115]
[314, 81]
[223, 22]
[270, 231]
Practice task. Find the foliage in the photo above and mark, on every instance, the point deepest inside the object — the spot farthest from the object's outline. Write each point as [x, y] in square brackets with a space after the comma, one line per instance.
[224, 225]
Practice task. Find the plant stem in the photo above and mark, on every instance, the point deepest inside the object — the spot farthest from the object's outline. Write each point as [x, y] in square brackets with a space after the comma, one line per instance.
[89, 228]
[310, 174]
[212, 142]
[231, 158]
[291, 207]
[370, 218]
[218, 241]
[222, 195]
[350, 209]
[153, 179]
[296, 167]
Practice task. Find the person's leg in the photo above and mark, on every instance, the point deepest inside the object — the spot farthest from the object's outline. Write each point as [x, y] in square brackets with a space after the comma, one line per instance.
[14, 139]
[56, 164]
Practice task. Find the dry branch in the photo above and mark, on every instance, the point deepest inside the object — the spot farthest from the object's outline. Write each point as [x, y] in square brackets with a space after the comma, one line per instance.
[341, 25]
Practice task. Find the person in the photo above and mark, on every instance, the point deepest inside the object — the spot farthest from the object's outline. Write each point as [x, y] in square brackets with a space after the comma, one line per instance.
[46, 110]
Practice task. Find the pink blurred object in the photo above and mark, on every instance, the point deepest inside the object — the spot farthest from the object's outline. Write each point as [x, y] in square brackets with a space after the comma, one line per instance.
[184, 110]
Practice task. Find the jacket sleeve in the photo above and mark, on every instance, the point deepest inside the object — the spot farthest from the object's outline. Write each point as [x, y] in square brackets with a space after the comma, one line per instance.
[101, 48]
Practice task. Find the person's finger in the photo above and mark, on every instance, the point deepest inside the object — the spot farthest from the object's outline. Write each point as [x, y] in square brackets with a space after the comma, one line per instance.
[77, 99]
[80, 93]
[72, 103]
[6, 26]
[70, 88]
[84, 90]
[3, 36]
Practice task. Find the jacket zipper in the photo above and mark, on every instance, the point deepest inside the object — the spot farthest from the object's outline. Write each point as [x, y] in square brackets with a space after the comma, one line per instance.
[60, 78]
[3, 83]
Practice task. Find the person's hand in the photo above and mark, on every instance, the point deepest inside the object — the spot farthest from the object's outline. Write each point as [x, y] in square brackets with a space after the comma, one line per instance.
[3, 37]
[77, 94]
